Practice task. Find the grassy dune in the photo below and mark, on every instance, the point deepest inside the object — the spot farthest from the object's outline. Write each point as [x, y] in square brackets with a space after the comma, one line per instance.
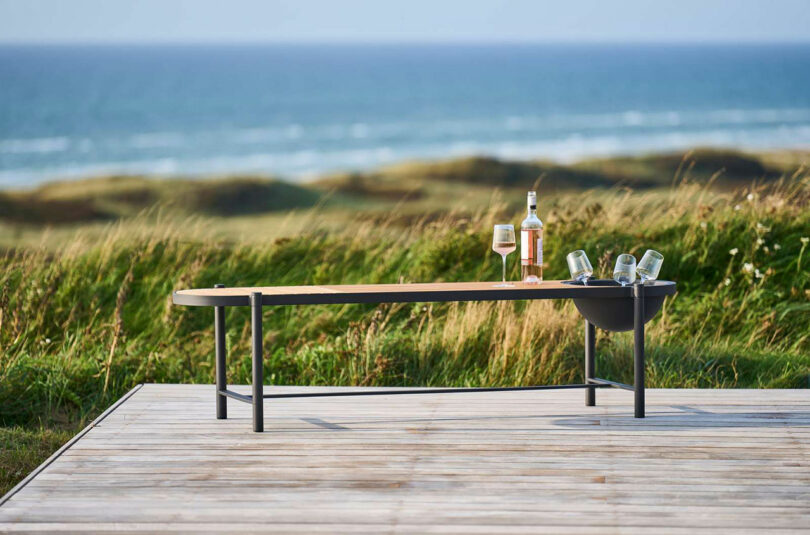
[87, 315]
[115, 197]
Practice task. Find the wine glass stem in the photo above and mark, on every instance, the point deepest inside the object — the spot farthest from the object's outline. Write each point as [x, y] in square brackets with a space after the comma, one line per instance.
[503, 273]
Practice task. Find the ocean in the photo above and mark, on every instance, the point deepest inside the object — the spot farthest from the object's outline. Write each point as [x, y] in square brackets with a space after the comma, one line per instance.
[301, 110]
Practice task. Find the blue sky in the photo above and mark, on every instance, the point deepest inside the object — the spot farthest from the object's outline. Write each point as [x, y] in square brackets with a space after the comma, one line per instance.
[403, 21]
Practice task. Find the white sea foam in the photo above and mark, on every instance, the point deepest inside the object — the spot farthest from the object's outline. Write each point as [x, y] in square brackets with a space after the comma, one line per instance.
[294, 131]
[447, 130]
[294, 150]
[157, 140]
[359, 130]
[35, 145]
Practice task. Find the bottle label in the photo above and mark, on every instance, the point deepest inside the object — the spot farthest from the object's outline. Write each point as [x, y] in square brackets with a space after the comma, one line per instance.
[540, 251]
[524, 246]
[531, 247]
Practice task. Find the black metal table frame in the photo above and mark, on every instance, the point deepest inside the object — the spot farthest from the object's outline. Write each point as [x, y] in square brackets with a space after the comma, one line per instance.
[256, 303]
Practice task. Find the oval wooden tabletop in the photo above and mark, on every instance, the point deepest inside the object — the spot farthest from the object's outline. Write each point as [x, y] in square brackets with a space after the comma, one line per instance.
[411, 292]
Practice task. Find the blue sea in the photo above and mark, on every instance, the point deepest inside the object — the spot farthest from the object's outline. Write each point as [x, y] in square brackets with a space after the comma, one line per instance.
[302, 110]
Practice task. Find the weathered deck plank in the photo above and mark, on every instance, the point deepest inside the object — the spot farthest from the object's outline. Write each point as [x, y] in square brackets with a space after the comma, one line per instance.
[719, 461]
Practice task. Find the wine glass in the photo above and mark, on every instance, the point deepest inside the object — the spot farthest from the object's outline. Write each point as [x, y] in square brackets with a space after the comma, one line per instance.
[625, 271]
[503, 243]
[650, 265]
[579, 266]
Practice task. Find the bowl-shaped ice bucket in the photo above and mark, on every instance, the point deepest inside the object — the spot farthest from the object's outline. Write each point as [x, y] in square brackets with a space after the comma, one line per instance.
[615, 312]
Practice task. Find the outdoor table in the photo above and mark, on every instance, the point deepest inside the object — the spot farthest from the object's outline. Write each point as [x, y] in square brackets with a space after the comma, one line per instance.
[603, 303]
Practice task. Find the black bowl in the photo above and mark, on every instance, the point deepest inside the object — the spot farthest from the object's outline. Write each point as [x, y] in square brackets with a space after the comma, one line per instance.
[616, 313]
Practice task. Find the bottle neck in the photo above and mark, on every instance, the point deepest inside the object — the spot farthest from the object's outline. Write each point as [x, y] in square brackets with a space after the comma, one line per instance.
[531, 203]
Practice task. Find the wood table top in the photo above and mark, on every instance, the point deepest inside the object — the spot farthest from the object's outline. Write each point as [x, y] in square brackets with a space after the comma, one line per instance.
[411, 292]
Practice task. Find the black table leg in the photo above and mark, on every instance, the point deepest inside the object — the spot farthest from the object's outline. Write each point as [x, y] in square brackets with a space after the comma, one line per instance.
[590, 362]
[258, 386]
[221, 378]
[638, 348]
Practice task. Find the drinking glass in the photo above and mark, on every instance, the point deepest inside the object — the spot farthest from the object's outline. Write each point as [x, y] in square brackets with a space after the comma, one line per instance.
[650, 265]
[579, 266]
[503, 243]
[625, 271]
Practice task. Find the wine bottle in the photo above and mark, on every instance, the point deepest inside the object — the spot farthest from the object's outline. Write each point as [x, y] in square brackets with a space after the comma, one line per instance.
[531, 244]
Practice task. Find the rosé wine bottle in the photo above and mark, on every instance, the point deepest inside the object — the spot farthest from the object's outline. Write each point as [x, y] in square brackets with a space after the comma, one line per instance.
[531, 244]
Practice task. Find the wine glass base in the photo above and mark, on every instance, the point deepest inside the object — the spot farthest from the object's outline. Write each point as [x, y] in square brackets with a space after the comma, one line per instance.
[503, 285]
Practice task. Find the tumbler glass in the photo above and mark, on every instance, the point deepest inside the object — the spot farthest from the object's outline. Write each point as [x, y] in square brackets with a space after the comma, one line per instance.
[625, 271]
[579, 266]
[650, 265]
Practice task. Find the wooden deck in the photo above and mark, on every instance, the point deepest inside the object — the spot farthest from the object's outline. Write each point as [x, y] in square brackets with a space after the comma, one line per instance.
[718, 461]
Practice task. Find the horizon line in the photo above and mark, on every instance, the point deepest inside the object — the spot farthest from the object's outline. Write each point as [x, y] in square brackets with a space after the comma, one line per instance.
[384, 42]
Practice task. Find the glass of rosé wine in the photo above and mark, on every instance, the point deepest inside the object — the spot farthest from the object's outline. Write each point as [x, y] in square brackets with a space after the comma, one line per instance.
[503, 243]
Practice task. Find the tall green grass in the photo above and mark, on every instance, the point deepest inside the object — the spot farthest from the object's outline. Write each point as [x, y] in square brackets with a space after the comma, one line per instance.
[82, 325]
